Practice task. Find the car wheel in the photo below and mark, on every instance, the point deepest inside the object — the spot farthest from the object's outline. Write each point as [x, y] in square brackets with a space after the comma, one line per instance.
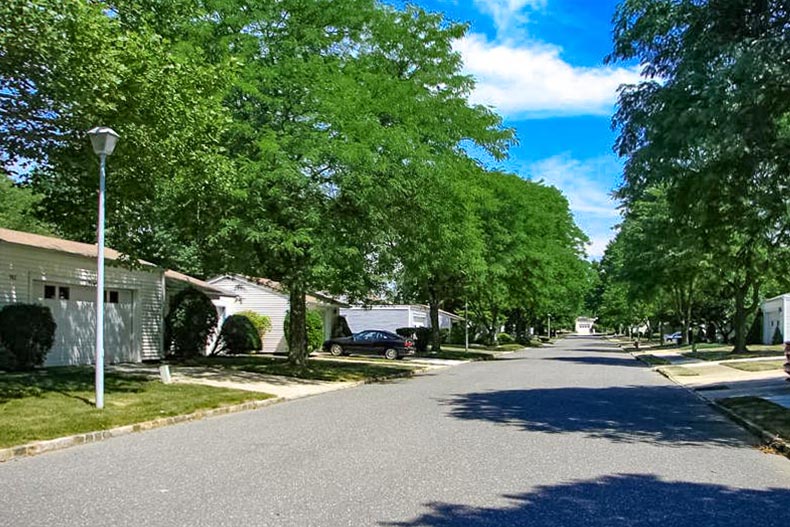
[336, 350]
[391, 354]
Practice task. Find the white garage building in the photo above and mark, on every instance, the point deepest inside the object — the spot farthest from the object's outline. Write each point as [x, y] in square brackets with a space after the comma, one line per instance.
[391, 317]
[61, 274]
[775, 315]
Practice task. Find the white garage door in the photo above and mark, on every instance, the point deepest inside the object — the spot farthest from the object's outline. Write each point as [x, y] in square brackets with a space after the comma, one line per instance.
[74, 311]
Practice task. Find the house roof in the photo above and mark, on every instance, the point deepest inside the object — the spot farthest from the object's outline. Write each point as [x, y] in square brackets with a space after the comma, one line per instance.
[58, 244]
[194, 282]
[312, 298]
[405, 306]
[88, 250]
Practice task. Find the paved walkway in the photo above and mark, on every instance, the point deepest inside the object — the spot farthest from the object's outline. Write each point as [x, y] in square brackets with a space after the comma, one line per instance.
[715, 380]
[577, 435]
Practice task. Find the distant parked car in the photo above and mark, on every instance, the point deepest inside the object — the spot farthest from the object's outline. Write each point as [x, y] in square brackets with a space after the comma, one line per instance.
[675, 337]
[385, 343]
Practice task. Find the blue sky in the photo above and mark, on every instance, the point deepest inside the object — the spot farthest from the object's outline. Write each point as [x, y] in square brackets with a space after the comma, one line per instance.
[540, 64]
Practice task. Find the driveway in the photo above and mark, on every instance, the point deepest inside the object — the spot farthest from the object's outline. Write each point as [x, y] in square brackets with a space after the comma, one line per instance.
[573, 435]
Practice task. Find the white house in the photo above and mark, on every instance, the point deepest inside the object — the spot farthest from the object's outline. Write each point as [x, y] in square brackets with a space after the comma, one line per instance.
[585, 326]
[61, 275]
[392, 317]
[775, 315]
[270, 298]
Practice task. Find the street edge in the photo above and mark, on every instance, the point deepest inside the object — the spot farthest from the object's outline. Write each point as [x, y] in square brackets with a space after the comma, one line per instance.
[768, 439]
[59, 443]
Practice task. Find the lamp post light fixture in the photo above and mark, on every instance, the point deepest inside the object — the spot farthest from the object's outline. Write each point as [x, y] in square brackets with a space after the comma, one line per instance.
[103, 140]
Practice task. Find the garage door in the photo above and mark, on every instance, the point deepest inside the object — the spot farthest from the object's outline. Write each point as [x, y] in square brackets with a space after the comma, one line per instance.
[74, 310]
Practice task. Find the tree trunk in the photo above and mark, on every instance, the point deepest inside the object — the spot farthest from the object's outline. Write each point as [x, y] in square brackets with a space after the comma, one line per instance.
[739, 321]
[436, 335]
[297, 326]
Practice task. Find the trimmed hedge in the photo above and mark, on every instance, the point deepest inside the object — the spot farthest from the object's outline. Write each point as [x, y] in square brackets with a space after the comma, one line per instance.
[27, 332]
[239, 335]
[315, 329]
[505, 338]
[190, 324]
[262, 323]
[777, 337]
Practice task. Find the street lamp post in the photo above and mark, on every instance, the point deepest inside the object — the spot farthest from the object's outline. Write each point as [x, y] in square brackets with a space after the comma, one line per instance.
[103, 140]
[466, 325]
[549, 325]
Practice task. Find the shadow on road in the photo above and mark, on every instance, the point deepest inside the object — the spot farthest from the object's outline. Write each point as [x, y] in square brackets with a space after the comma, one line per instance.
[620, 500]
[630, 414]
[602, 361]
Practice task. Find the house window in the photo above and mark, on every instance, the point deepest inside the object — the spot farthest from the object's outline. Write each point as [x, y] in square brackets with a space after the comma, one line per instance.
[63, 293]
[111, 297]
[49, 291]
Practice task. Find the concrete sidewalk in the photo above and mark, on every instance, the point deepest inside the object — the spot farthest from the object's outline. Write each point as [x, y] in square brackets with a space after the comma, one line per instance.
[277, 385]
[715, 380]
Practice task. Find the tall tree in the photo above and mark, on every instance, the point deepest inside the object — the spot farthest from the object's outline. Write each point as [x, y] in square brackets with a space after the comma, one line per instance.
[706, 122]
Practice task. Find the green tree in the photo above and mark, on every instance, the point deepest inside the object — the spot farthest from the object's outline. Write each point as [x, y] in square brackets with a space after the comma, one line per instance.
[707, 122]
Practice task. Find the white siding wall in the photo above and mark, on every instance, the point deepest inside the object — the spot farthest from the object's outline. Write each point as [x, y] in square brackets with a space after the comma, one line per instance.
[22, 268]
[387, 319]
[263, 301]
[775, 313]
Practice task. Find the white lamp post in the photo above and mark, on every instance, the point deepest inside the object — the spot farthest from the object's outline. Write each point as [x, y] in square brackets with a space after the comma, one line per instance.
[103, 140]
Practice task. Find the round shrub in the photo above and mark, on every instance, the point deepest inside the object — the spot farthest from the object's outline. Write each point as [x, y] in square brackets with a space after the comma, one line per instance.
[777, 337]
[27, 332]
[190, 324]
[315, 329]
[262, 323]
[505, 338]
[239, 335]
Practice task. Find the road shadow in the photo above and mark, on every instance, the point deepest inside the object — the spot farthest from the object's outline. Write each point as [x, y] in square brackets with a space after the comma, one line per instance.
[629, 414]
[601, 361]
[628, 500]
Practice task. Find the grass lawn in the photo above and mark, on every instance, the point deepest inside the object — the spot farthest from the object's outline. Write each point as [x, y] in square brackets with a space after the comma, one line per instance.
[679, 371]
[724, 353]
[763, 365]
[319, 370]
[57, 402]
[770, 416]
[454, 354]
[652, 360]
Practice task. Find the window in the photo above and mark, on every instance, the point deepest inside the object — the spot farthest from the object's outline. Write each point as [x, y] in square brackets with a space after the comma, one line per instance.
[49, 291]
[63, 293]
[111, 297]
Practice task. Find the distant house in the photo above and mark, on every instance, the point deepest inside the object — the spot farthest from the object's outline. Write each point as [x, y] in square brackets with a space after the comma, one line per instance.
[392, 317]
[270, 298]
[585, 326]
[775, 315]
[61, 275]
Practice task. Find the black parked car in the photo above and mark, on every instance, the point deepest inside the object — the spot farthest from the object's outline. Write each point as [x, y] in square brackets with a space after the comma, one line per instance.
[390, 345]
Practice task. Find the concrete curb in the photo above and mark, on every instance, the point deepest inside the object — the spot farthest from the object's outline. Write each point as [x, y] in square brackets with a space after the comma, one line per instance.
[768, 439]
[50, 445]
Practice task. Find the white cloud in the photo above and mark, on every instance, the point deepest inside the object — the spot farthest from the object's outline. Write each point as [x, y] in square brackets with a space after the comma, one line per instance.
[532, 79]
[587, 185]
[508, 14]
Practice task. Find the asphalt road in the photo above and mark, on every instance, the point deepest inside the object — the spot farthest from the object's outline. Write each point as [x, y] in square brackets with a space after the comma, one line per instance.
[575, 435]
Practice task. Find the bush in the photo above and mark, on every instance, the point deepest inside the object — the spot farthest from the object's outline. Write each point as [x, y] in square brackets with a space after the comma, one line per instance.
[457, 335]
[777, 338]
[315, 329]
[262, 323]
[239, 335]
[505, 338]
[190, 324]
[421, 336]
[27, 332]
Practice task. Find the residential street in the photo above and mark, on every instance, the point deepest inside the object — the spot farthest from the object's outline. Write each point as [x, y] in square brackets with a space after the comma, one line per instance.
[571, 435]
